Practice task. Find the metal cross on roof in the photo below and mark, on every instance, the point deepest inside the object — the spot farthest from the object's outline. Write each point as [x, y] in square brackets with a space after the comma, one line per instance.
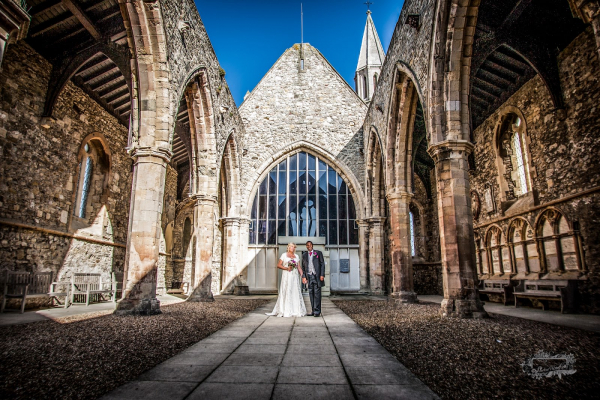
[368, 3]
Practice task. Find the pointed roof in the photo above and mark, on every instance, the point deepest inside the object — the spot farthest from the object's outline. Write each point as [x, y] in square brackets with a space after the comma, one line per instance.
[371, 51]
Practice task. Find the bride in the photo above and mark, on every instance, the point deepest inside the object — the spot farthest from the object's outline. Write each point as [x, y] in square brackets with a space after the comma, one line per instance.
[290, 302]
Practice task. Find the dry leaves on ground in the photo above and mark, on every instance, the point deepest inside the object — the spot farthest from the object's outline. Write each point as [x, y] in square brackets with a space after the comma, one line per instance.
[87, 355]
[480, 358]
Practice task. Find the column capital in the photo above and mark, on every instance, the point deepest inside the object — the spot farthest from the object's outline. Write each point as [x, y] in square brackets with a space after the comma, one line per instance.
[399, 195]
[364, 223]
[138, 152]
[203, 198]
[587, 10]
[442, 150]
[225, 221]
[375, 220]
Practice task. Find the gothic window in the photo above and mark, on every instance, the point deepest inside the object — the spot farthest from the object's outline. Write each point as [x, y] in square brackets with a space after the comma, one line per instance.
[94, 165]
[515, 169]
[365, 90]
[412, 233]
[303, 196]
[524, 252]
[374, 80]
[498, 254]
[560, 243]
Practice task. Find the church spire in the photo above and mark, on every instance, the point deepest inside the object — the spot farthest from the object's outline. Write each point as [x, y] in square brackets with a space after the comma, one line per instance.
[370, 61]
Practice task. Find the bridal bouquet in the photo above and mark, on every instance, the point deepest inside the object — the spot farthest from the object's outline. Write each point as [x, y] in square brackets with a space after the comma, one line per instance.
[293, 264]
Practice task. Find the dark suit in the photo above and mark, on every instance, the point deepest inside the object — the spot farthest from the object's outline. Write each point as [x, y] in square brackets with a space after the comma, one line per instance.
[314, 281]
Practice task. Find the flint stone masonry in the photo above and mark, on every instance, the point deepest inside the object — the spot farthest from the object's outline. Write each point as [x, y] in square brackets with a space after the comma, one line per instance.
[290, 107]
[39, 174]
[564, 153]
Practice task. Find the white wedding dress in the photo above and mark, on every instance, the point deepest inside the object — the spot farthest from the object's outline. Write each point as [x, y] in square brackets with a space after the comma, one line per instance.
[290, 302]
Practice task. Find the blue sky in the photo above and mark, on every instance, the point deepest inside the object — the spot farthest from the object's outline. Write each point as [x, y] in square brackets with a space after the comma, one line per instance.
[249, 36]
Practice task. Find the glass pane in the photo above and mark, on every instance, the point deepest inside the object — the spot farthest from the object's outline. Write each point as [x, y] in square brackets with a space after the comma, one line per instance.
[282, 166]
[262, 232]
[272, 232]
[254, 204]
[312, 227]
[282, 182]
[322, 165]
[353, 231]
[332, 207]
[302, 161]
[332, 177]
[322, 181]
[323, 229]
[312, 182]
[312, 162]
[301, 182]
[272, 207]
[343, 232]
[311, 205]
[293, 207]
[303, 212]
[342, 207]
[252, 233]
[341, 186]
[281, 206]
[262, 207]
[351, 208]
[293, 162]
[263, 187]
[323, 207]
[332, 232]
[292, 227]
[293, 183]
[273, 181]
[281, 228]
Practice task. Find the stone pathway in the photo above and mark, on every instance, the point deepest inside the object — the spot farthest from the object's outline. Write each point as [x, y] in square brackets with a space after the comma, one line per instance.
[259, 357]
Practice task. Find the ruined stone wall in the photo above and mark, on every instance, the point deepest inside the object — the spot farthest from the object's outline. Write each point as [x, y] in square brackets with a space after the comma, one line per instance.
[189, 50]
[290, 107]
[565, 154]
[39, 175]
[412, 48]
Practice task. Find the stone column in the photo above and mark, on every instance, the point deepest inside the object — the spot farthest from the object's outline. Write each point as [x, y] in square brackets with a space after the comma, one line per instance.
[143, 240]
[461, 297]
[363, 253]
[376, 248]
[402, 272]
[233, 273]
[589, 12]
[205, 225]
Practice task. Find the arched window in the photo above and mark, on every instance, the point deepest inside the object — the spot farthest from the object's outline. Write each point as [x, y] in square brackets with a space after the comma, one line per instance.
[94, 166]
[514, 168]
[365, 89]
[374, 80]
[303, 196]
[560, 243]
[412, 234]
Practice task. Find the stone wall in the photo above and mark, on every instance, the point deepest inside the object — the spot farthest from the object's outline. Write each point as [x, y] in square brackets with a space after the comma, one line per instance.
[291, 108]
[40, 175]
[564, 155]
[428, 278]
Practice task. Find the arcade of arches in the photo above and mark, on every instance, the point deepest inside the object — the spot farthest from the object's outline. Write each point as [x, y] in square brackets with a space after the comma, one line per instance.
[470, 155]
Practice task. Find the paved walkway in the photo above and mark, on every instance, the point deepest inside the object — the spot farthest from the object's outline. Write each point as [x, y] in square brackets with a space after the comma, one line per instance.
[259, 357]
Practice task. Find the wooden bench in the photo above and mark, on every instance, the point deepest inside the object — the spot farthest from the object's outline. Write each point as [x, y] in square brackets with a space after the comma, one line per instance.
[23, 285]
[85, 285]
[60, 289]
[502, 288]
[564, 292]
[179, 287]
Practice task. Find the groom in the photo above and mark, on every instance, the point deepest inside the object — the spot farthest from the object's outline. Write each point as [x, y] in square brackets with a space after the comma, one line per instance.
[313, 265]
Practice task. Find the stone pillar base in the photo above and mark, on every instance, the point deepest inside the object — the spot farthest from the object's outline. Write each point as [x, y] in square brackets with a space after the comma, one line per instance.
[138, 307]
[403, 297]
[241, 291]
[201, 297]
[377, 293]
[462, 308]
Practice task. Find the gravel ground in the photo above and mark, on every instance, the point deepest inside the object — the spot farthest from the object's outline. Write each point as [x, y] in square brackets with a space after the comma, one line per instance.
[87, 355]
[480, 359]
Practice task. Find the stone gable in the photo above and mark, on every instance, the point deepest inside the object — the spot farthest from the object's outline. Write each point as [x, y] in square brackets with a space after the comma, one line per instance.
[291, 106]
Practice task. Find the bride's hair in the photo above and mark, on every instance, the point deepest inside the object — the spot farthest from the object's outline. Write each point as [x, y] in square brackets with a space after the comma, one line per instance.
[291, 244]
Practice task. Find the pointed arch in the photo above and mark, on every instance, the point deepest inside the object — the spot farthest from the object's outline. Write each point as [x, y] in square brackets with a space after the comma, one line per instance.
[375, 184]
[523, 248]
